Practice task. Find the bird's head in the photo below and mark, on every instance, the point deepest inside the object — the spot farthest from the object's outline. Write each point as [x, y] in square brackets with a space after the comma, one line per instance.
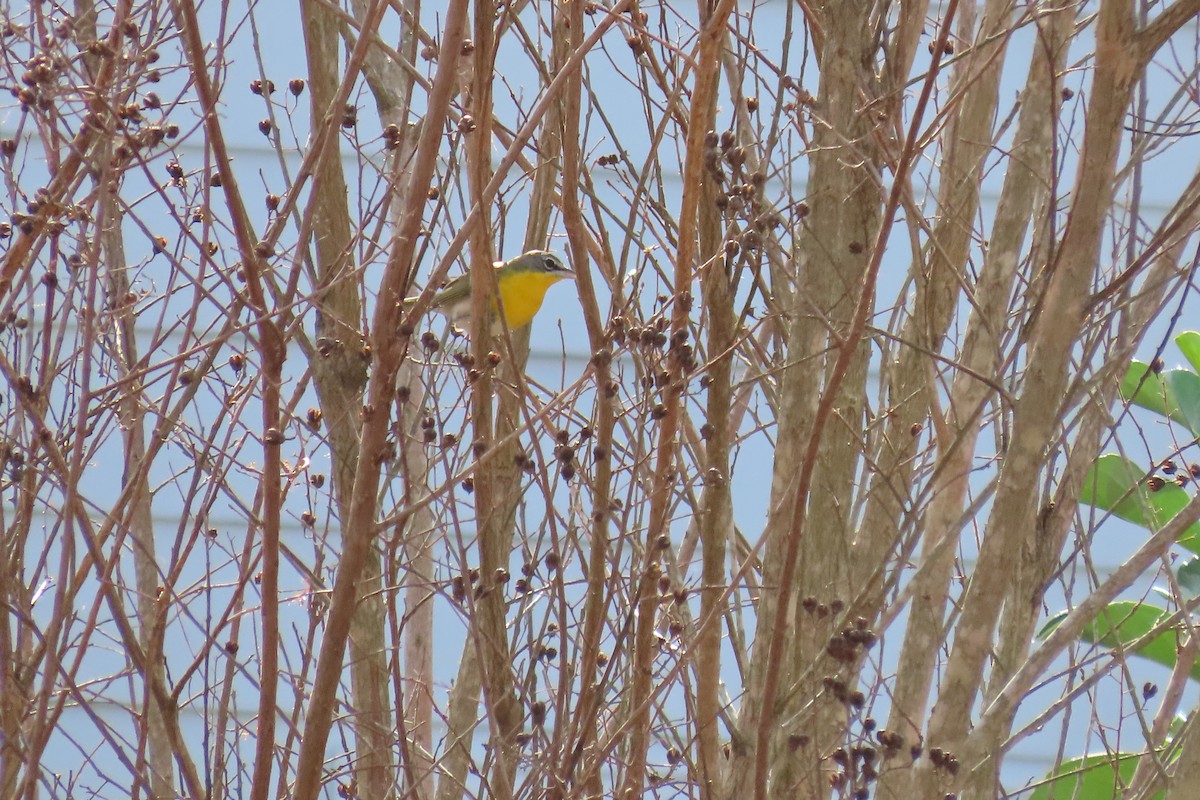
[538, 262]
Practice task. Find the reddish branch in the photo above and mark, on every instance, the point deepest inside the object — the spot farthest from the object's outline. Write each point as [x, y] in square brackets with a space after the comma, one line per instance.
[595, 607]
[360, 527]
[273, 351]
[33, 234]
[702, 112]
[866, 301]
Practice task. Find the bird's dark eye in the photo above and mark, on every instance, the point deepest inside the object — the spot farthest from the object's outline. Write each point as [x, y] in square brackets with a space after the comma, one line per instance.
[552, 264]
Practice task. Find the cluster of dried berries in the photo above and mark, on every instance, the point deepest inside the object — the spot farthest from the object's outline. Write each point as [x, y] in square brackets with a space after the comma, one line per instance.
[856, 769]
[1181, 476]
[656, 348]
[740, 200]
[528, 570]
[857, 763]
[428, 429]
[391, 140]
[943, 760]
[850, 643]
[681, 351]
[50, 79]
[458, 585]
[564, 454]
[801, 95]
[822, 610]
[525, 462]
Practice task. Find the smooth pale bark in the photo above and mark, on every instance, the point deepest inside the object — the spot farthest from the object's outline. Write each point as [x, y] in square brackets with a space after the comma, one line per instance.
[340, 375]
[1039, 557]
[391, 81]
[360, 523]
[141, 524]
[1071, 271]
[1022, 195]
[830, 259]
[939, 279]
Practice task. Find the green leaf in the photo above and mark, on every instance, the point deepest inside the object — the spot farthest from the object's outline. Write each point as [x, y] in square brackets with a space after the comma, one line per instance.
[1124, 622]
[1051, 624]
[1093, 777]
[1188, 343]
[1118, 485]
[1183, 388]
[1144, 388]
[1173, 393]
[1188, 576]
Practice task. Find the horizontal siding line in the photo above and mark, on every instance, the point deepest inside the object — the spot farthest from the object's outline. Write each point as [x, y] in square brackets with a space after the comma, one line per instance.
[351, 159]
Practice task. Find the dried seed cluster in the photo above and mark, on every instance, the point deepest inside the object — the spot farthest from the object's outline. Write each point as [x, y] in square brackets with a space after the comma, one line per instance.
[1181, 476]
[741, 201]
[851, 642]
[54, 83]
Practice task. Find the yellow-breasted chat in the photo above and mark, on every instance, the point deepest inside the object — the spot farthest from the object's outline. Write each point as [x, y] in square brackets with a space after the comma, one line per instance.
[522, 283]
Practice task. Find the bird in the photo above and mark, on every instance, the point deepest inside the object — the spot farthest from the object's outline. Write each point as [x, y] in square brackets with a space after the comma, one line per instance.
[522, 283]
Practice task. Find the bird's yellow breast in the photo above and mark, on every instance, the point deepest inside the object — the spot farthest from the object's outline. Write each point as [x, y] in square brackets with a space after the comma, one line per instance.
[521, 295]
